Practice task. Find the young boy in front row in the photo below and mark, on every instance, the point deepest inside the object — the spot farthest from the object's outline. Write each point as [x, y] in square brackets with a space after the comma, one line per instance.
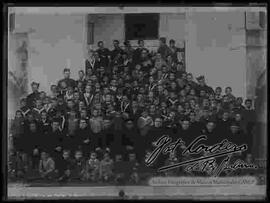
[133, 164]
[64, 166]
[46, 166]
[106, 168]
[78, 169]
[92, 167]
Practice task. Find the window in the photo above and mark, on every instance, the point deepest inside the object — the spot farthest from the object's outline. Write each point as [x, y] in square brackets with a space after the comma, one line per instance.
[141, 26]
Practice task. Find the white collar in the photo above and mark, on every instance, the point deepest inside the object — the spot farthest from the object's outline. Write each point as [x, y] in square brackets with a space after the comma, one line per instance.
[39, 110]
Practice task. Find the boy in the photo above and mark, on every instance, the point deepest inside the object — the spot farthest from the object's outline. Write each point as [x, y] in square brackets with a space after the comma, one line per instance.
[119, 169]
[172, 159]
[18, 165]
[46, 166]
[92, 167]
[104, 54]
[44, 123]
[81, 78]
[69, 94]
[30, 100]
[38, 109]
[218, 95]
[133, 167]
[54, 91]
[228, 93]
[106, 168]
[163, 49]
[70, 130]
[31, 143]
[144, 123]
[17, 129]
[53, 108]
[78, 170]
[23, 107]
[96, 125]
[83, 137]
[64, 166]
[70, 106]
[249, 116]
[67, 80]
[53, 141]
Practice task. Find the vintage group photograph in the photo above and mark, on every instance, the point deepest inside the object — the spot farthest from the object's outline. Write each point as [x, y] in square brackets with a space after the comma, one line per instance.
[136, 102]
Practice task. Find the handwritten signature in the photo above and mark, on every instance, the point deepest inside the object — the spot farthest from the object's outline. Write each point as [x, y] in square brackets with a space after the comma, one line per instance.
[207, 162]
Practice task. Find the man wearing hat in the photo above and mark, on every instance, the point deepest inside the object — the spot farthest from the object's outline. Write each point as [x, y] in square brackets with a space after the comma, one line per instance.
[92, 62]
[163, 49]
[128, 49]
[69, 82]
[138, 51]
[31, 98]
[202, 86]
[116, 52]
[103, 54]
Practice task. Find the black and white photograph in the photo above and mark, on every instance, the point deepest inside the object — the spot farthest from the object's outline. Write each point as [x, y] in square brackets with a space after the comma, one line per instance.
[136, 102]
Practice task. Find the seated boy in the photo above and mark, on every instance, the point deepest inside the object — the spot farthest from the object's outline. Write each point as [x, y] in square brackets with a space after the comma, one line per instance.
[64, 166]
[133, 163]
[172, 159]
[92, 167]
[79, 164]
[46, 166]
[122, 169]
[145, 171]
[18, 165]
[106, 167]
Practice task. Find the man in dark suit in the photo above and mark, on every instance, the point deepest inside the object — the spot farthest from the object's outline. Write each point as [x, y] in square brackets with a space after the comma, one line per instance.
[224, 123]
[69, 82]
[132, 139]
[249, 115]
[31, 98]
[134, 111]
[163, 49]
[128, 49]
[104, 54]
[82, 138]
[174, 50]
[53, 140]
[202, 86]
[116, 52]
[91, 62]
[138, 52]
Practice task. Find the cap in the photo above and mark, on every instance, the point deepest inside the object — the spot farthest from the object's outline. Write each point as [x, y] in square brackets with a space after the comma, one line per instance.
[66, 70]
[163, 39]
[201, 77]
[126, 42]
[34, 83]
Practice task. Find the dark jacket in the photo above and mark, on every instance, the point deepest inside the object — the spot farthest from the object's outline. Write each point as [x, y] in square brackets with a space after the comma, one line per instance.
[80, 136]
[93, 66]
[103, 55]
[70, 82]
[51, 140]
[31, 98]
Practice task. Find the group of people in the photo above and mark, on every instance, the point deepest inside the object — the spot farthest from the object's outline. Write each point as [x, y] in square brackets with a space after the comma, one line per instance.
[103, 125]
